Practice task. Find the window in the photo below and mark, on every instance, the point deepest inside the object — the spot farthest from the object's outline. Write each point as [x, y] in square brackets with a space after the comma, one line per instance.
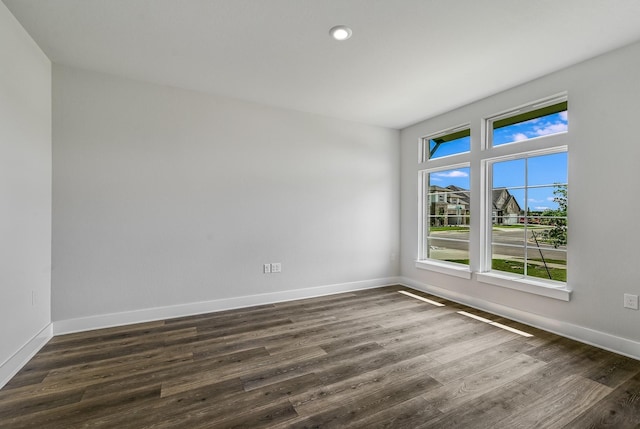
[521, 164]
[529, 122]
[446, 197]
[446, 216]
[529, 216]
[450, 142]
[525, 199]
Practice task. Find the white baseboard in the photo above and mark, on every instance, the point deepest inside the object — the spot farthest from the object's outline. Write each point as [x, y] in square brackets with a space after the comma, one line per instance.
[159, 313]
[20, 358]
[590, 336]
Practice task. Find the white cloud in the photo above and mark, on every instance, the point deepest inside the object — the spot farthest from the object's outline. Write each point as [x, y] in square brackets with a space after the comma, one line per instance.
[564, 116]
[550, 198]
[541, 208]
[549, 128]
[454, 173]
[533, 200]
[519, 137]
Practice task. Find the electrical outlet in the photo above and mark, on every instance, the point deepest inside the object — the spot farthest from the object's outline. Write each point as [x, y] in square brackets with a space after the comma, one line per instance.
[630, 301]
[276, 268]
[266, 268]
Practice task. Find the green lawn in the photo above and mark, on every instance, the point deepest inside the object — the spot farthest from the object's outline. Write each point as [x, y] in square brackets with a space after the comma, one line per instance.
[550, 261]
[533, 270]
[449, 228]
[459, 261]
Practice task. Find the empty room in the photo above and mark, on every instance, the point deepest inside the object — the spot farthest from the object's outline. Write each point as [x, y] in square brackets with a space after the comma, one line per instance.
[319, 214]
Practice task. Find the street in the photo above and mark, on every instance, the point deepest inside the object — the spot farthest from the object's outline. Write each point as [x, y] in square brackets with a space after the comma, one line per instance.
[508, 243]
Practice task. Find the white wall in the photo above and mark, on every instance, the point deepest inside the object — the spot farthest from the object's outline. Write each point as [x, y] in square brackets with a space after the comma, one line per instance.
[165, 197]
[604, 232]
[25, 193]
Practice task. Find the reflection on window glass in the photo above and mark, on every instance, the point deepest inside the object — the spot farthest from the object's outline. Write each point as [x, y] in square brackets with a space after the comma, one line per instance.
[447, 208]
[529, 216]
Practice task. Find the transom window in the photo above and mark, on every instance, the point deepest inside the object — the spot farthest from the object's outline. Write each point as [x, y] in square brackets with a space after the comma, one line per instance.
[446, 143]
[529, 122]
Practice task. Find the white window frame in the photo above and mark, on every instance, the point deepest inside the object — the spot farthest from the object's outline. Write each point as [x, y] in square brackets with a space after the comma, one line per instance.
[480, 158]
[487, 125]
[424, 144]
[427, 166]
[543, 145]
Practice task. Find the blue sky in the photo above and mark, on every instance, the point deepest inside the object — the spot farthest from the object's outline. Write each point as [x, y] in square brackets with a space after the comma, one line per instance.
[543, 126]
[452, 147]
[458, 177]
[542, 172]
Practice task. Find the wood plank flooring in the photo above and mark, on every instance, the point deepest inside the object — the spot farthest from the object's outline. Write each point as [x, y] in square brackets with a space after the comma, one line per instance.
[368, 359]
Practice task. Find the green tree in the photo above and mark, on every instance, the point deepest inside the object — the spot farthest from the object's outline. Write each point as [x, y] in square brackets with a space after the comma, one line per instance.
[557, 235]
[440, 218]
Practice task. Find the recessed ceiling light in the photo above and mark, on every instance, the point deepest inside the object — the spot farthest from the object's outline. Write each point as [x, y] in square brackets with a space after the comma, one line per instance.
[340, 32]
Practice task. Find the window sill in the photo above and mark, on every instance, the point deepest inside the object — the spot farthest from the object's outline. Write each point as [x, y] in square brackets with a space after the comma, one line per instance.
[451, 269]
[543, 288]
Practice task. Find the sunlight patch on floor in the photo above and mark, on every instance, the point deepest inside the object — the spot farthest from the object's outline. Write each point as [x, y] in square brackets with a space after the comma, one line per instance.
[496, 324]
[422, 299]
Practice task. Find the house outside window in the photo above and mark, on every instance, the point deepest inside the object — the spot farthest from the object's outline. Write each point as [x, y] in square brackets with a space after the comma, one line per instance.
[446, 215]
[505, 208]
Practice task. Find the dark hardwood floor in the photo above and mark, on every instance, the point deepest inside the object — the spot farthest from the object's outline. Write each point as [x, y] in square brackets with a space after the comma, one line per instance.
[369, 359]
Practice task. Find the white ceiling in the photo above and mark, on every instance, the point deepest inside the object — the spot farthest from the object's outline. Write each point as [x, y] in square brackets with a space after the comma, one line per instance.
[407, 60]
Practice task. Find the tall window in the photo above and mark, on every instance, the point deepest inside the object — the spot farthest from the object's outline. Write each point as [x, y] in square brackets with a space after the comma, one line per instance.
[446, 196]
[527, 193]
